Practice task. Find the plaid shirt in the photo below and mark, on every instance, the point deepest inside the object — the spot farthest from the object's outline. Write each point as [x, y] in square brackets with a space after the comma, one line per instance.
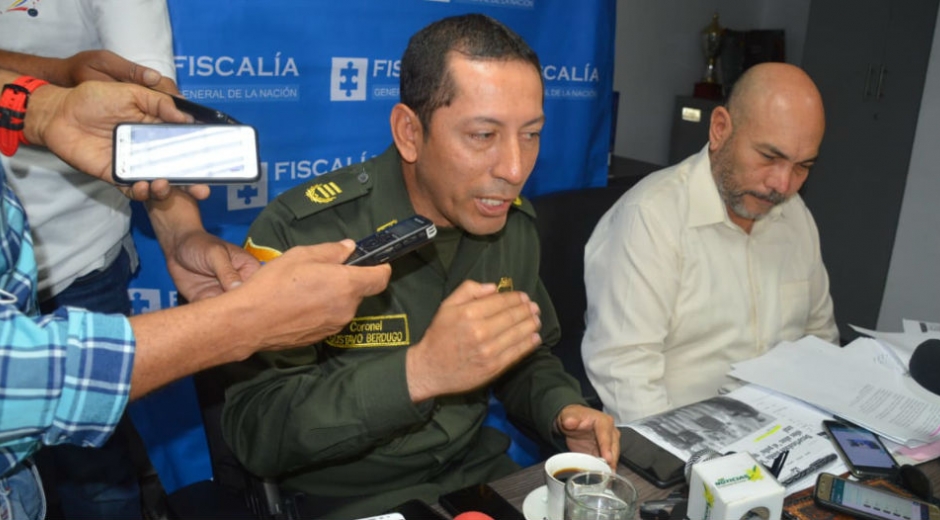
[64, 378]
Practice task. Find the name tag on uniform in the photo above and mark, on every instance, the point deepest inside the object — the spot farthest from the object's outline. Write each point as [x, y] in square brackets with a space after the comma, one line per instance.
[373, 331]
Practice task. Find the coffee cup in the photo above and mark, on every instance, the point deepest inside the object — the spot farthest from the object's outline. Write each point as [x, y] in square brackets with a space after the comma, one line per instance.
[558, 469]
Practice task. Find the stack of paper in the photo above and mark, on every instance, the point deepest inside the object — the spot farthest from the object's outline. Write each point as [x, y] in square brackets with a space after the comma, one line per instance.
[861, 383]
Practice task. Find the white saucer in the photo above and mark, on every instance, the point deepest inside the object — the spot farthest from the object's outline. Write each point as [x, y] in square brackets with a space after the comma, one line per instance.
[536, 504]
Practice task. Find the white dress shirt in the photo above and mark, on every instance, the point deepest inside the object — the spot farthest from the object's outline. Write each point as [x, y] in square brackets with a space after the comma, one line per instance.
[677, 292]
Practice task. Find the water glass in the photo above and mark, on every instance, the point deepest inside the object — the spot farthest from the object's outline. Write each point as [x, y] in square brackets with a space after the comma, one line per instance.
[595, 495]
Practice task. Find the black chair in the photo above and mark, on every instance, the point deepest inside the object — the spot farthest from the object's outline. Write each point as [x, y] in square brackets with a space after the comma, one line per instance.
[233, 493]
[565, 221]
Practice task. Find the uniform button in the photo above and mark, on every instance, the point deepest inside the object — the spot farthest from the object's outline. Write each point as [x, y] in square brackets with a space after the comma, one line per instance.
[363, 178]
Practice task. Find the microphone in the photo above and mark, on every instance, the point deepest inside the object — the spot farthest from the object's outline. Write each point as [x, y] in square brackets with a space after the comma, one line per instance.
[924, 365]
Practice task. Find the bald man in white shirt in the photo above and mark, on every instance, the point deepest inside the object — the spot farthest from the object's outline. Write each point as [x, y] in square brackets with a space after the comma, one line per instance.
[711, 261]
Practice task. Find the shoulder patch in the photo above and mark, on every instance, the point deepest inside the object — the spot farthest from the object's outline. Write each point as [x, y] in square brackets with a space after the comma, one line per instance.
[328, 190]
[522, 204]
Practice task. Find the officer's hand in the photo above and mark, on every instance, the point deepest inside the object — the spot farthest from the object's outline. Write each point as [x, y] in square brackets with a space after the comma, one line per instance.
[587, 430]
[476, 335]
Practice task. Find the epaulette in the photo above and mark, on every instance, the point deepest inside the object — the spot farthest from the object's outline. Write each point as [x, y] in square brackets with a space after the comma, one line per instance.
[522, 204]
[328, 190]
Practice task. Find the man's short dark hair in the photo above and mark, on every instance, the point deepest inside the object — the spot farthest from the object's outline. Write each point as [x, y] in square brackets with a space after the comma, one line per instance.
[426, 82]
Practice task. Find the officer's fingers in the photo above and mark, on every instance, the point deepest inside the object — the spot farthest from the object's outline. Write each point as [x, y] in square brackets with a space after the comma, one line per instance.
[468, 291]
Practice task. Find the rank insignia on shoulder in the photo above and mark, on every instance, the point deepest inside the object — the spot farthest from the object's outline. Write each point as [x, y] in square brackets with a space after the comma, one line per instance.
[504, 285]
[323, 193]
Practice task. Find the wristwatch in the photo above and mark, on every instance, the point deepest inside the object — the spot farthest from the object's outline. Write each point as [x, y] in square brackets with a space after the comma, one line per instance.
[14, 99]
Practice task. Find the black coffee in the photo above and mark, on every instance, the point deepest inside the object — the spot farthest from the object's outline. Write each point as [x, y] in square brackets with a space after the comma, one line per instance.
[563, 475]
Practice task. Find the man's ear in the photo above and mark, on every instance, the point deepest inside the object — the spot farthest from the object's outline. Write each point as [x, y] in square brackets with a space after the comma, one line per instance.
[406, 132]
[719, 128]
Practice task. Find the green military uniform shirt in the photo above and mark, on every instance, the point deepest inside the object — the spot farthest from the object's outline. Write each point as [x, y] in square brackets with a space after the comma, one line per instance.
[336, 419]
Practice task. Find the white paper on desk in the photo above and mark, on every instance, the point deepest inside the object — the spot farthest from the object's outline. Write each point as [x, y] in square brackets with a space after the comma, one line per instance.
[840, 382]
[903, 343]
[753, 419]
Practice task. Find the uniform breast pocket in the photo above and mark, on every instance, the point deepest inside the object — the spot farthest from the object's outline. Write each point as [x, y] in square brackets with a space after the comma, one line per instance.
[794, 309]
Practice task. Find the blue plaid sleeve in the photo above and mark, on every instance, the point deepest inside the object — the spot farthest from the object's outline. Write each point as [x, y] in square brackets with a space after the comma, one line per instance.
[64, 378]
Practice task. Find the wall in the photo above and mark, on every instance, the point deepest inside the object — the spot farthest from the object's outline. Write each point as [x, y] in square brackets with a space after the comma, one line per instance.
[913, 286]
[658, 55]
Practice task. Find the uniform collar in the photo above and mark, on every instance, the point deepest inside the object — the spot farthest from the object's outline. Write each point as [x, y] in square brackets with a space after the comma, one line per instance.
[389, 186]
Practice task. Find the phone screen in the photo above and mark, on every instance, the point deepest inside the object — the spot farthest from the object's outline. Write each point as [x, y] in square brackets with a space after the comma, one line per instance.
[862, 448]
[186, 153]
[480, 498]
[874, 502]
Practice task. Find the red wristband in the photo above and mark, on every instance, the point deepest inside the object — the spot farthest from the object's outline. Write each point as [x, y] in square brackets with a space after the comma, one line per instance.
[13, 101]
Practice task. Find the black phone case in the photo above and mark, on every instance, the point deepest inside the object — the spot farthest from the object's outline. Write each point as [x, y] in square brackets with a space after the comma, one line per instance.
[652, 462]
[202, 113]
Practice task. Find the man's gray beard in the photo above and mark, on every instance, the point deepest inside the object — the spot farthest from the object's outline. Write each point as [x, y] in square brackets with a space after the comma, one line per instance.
[732, 194]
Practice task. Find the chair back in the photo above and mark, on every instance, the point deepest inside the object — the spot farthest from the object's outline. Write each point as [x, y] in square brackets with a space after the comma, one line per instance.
[565, 221]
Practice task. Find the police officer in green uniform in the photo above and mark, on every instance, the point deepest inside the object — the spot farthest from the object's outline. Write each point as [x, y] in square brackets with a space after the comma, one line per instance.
[391, 407]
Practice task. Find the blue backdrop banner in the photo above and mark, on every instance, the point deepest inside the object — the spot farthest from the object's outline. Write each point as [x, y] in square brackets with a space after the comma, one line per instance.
[318, 80]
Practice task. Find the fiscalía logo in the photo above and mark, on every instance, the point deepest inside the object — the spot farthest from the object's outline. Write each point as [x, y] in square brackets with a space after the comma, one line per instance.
[144, 300]
[348, 79]
[248, 196]
[323, 193]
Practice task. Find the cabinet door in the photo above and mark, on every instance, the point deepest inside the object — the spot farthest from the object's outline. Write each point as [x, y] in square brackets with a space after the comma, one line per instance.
[856, 187]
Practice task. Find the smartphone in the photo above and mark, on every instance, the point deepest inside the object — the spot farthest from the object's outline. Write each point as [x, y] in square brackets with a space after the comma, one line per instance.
[482, 498]
[392, 242]
[186, 153]
[202, 113]
[645, 458]
[861, 450]
[416, 510]
[867, 502]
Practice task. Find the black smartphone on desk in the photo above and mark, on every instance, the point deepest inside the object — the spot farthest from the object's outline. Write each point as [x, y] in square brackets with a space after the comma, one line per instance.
[482, 498]
[867, 502]
[650, 461]
[861, 450]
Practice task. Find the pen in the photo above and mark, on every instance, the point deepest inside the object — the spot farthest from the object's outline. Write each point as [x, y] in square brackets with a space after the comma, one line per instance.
[817, 465]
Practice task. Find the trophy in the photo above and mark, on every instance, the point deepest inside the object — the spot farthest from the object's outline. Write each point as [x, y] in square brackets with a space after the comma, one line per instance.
[712, 36]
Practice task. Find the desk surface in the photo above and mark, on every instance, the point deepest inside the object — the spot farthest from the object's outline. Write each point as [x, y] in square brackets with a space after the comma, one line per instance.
[517, 486]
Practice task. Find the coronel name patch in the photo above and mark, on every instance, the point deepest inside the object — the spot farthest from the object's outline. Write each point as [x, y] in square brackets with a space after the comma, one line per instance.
[373, 331]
